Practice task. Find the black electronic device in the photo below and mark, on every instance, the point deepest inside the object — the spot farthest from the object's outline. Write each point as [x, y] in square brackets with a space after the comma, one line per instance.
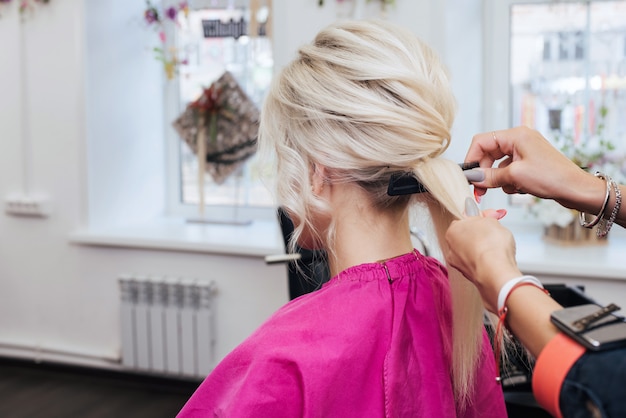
[593, 326]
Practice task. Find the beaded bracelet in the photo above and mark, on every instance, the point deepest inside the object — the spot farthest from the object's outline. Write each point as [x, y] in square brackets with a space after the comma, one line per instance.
[607, 224]
[594, 222]
[503, 296]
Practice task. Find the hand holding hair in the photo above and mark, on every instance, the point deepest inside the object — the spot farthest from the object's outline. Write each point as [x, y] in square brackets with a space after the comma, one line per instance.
[530, 164]
[483, 250]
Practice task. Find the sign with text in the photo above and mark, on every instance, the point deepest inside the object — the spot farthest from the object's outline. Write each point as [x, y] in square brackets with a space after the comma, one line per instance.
[218, 29]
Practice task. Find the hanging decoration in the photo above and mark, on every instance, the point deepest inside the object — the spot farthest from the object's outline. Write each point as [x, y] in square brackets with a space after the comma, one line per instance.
[221, 128]
[159, 20]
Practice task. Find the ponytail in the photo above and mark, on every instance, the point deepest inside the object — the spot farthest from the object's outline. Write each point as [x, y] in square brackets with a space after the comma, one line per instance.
[448, 190]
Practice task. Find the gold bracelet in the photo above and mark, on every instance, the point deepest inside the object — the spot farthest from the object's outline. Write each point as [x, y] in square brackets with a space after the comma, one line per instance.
[594, 222]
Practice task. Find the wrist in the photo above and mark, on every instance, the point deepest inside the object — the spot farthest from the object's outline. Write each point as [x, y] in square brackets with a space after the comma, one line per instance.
[510, 286]
[588, 194]
[491, 281]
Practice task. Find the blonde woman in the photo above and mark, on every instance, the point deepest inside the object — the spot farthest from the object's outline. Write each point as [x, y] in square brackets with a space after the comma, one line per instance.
[393, 333]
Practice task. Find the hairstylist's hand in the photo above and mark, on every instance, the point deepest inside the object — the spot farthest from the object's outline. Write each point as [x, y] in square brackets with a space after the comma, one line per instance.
[531, 165]
[484, 251]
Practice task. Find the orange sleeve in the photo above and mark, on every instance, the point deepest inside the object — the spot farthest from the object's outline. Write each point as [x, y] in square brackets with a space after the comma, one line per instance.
[551, 368]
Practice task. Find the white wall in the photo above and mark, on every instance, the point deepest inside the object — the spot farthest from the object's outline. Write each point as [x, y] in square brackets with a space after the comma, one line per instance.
[40, 84]
[93, 105]
[452, 27]
[92, 109]
[123, 109]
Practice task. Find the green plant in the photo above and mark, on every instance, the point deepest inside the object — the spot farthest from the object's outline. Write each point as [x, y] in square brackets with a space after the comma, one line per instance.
[595, 153]
[589, 152]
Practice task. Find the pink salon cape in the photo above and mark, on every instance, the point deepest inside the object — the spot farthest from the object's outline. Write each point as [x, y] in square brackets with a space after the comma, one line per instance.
[362, 346]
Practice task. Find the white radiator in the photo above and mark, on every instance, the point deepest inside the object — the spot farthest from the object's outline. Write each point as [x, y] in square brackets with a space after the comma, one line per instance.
[168, 325]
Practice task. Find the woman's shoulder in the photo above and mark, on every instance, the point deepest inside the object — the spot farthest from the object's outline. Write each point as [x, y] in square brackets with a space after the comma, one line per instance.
[331, 320]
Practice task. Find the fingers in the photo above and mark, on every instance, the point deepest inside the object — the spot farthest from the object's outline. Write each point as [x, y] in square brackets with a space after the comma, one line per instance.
[484, 149]
[487, 178]
[495, 214]
[490, 180]
[471, 208]
[521, 151]
[488, 147]
[505, 162]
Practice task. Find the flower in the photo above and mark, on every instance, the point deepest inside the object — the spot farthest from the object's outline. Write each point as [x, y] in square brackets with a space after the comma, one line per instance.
[151, 15]
[208, 102]
[171, 13]
[548, 212]
[157, 20]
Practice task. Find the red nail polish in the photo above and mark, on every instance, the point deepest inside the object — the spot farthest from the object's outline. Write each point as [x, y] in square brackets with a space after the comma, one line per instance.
[477, 196]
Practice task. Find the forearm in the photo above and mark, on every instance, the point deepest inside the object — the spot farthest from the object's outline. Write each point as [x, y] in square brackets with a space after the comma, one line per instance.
[587, 194]
[528, 307]
[528, 317]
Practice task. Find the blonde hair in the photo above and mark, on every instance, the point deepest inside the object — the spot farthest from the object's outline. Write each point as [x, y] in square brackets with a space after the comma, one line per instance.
[367, 99]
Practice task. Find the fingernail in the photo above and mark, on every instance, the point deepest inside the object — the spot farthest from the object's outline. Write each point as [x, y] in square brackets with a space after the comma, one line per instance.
[471, 208]
[474, 175]
[477, 196]
[501, 213]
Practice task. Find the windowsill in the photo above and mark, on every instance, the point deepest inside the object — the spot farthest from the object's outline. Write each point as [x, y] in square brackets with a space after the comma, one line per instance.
[602, 261]
[262, 238]
[257, 239]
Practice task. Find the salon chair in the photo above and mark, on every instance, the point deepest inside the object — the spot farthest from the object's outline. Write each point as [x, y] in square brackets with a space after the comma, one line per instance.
[307, 270]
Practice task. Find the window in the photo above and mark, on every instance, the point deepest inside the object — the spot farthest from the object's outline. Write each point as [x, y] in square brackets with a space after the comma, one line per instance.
[580, 91]
[200, 40]
[563, 72]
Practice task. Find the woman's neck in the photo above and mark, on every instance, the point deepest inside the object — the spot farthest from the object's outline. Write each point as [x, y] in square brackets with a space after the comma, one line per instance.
[365, 234]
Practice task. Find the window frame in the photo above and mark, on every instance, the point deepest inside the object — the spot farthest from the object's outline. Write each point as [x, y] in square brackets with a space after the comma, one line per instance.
[497, 91]
[221, 214]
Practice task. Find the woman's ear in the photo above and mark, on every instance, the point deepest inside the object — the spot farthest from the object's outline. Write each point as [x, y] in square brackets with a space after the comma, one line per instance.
[318, 179]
